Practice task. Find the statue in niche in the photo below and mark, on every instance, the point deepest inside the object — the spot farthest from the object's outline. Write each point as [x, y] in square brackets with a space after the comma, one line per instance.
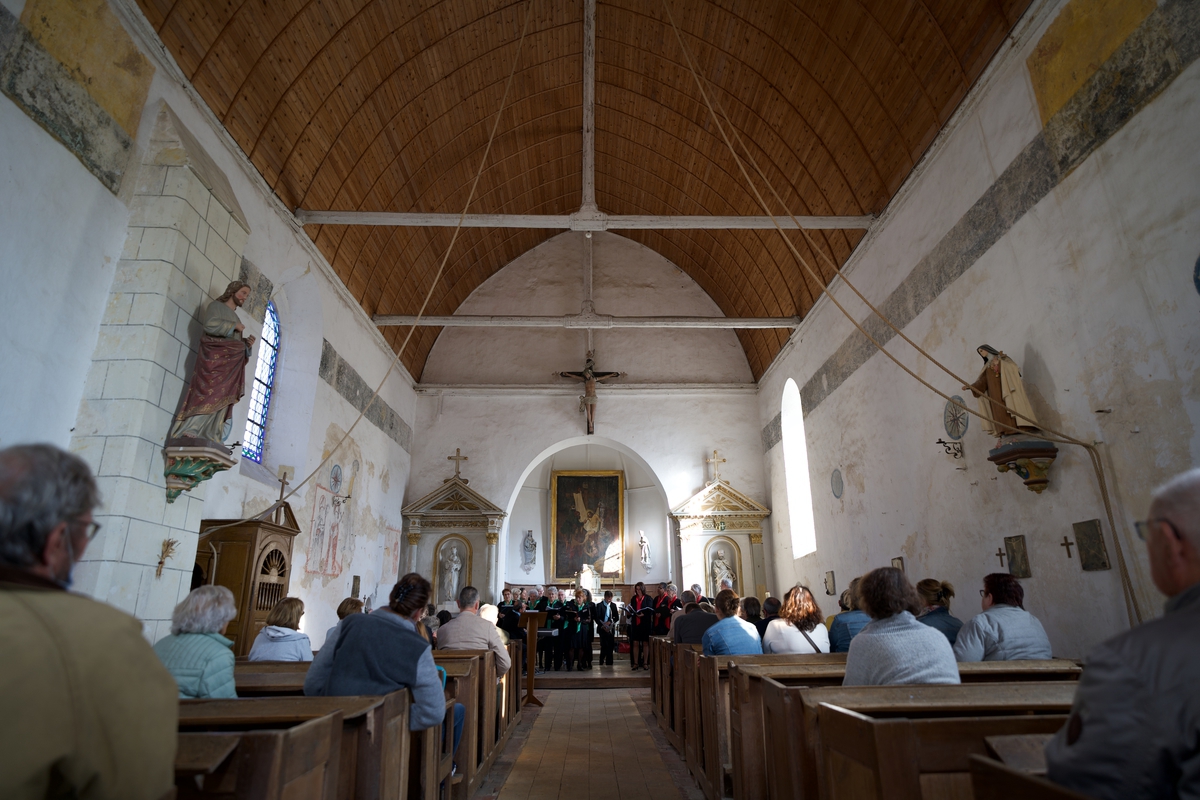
[590, 378]
[528, 552]
[1001, 394]
[451, 571]
[644, 546]
[219, 376]
[722, 570]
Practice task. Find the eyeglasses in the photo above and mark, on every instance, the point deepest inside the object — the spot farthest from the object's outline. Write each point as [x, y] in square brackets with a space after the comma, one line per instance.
[983, 593]
[91, 530]
[1142, 526]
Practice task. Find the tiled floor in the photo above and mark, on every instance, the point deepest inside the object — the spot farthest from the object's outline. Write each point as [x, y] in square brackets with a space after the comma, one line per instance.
[589, 745]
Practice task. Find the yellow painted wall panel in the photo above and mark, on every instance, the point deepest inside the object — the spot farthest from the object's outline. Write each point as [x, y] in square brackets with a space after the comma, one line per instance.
[89, 40]
[1081, 38]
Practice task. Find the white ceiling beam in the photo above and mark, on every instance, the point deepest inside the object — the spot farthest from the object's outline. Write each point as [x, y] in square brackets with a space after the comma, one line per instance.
[581, 321]
[581, 221]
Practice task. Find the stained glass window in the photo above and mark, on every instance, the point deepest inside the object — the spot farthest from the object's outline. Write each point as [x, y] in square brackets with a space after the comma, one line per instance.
[260, 392]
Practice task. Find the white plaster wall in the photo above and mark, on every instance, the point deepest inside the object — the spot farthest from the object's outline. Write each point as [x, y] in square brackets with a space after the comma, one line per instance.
[628, 280]
[1091, 293]
[61, 233]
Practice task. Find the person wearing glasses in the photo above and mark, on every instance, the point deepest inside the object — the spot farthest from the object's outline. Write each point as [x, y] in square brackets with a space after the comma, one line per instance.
[1005, 631]
[1135, 723]
[89, 710]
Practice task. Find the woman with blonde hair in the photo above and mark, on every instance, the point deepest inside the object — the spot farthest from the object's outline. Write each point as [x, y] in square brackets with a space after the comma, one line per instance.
[935, 596]
[798, 629]
[282, 640]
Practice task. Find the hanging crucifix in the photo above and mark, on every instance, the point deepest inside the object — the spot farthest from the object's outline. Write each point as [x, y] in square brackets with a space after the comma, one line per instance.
[590, 378]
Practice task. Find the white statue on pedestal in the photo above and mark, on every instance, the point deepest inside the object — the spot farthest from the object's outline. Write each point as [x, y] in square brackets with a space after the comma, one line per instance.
[528, 552]
[645, 548]
[451, 570]
[722, 570]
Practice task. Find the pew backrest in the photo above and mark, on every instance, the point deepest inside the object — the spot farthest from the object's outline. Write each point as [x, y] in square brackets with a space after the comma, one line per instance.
[296, 763]
[991, 780]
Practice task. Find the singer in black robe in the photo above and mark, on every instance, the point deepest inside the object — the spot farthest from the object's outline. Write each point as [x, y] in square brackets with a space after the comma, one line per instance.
[639, 626]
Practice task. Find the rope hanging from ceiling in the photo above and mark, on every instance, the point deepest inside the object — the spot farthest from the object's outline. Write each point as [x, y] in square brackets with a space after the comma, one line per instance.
[1132, 606]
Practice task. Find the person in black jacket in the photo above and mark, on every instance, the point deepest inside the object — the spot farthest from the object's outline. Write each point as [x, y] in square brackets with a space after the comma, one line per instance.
[578, 616]
[638, 611]
[606, 614]
[666, 602]
[590, 628]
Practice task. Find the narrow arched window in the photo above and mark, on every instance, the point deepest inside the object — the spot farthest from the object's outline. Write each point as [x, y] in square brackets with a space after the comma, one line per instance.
[260, 392]
[795, 472]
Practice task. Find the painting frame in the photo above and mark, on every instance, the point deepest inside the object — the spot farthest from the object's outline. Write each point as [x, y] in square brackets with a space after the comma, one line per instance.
[565, 532]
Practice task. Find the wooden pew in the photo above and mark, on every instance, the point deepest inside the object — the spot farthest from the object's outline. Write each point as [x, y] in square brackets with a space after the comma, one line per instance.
[464, 670]
[681, 686]
[299, 762]
[915, 756]
[374, 737]
[992, 780]
[270, 666]
[432, 758]
[747, 721]
[269, 684]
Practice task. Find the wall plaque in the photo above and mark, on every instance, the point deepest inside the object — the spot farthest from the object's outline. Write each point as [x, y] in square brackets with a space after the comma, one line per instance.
[1093, 555]
[1018, 557]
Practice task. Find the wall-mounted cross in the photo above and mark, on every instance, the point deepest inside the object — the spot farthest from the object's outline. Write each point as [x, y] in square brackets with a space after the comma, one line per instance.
[715, 461]
[457, 458]
[1066, 544]
[1000, 553]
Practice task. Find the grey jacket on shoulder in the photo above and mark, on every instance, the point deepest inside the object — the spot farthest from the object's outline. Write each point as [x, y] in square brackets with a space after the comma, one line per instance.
[1134, 730]
[898, 650]
[1002, 633]
[469, 631]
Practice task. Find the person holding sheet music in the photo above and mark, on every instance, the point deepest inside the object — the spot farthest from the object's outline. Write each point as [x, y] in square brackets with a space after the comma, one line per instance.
[550, 650]
[605, 615]
[589, 629]
[578, 616]
[665, 603]
[639, 611]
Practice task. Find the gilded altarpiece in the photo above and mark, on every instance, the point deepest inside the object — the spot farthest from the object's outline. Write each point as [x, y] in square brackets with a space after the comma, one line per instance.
[718, 526]
[453, 512]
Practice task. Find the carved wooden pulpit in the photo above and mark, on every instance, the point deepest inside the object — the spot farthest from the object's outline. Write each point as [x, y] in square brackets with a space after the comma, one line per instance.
[253, 559]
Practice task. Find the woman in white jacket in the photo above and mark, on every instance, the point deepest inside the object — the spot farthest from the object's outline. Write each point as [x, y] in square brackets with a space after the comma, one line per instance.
[281, 640]
[798, 628]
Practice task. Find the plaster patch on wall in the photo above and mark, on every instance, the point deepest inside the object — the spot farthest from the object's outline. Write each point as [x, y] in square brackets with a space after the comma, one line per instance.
[1165, 44]
[45, 90]
[772, 434]
[338, 373]
[88, 39]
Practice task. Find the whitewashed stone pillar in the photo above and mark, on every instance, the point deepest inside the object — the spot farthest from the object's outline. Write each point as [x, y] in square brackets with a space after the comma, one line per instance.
[183, 246]
[759, 561]
[414, 544]
[493, 540]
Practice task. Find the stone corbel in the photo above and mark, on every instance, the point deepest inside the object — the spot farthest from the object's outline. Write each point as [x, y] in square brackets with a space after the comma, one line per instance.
[187, 467]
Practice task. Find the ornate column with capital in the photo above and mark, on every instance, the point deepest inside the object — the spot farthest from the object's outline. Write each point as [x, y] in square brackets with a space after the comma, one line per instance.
[494, 523]
[414, 542]
[758, 559]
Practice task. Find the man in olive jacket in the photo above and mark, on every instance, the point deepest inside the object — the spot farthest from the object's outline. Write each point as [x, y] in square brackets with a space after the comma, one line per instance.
[88, 709]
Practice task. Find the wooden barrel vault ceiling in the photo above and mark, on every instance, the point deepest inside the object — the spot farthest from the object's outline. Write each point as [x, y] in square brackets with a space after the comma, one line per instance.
[386, 105]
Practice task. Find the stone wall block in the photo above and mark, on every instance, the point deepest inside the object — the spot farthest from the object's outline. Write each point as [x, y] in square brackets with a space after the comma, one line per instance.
[118, 342]
[108, 418]
[218, 218]
[133, 379]
[166, 355]
[164, 244]
[144, 542]
[90, 449]
[136, 276]
[182, 182]
[165, 212]
[159, 599]
[93, 385]
[175, 515]
[116, 310]
[190, 296]
[195, 512]
[237, 236]
[222, 256]
[151, 309]
[199, 268]
[126, 455]
[155, 423]
[133, 240]
[150, 180]
[203, 231]
[172, 392]
[125, 585]
[110, 541]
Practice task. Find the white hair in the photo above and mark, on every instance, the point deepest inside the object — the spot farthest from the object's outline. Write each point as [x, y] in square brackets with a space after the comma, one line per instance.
[1178, 500]
[726, 583]
[489, 612]
[205, 610]
[697, 589]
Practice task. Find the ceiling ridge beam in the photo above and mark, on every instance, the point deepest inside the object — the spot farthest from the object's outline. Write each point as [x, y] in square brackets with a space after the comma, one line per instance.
[580, 221]
[583, 321]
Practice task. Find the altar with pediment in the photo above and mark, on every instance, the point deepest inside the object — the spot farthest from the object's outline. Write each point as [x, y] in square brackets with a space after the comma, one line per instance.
[720, 533]
[452, 535]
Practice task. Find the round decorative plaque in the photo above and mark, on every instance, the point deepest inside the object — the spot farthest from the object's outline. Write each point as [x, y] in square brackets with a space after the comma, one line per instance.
[955, 419]
[335, 479]
[835, 482]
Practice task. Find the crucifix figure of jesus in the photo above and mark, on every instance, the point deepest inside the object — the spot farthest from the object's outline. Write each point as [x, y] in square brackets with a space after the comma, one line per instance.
[590, 378]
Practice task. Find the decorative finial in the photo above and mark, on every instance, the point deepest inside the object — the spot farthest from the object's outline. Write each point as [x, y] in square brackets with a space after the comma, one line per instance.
[715, 461]
[457, 458]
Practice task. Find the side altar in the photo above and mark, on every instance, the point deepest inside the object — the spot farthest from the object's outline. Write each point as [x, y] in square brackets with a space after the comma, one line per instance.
[717, 527]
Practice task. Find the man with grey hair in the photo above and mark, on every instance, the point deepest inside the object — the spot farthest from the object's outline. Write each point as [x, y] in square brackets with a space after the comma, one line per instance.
[469, 631]
[1134, 730]
[88, 709]
[698, 590]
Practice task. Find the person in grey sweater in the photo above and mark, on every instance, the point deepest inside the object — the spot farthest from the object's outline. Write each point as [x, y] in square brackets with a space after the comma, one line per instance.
[1005, 631]
[895, 648]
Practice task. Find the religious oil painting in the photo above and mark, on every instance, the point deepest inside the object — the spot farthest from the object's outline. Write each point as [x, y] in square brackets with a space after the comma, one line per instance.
[1018, 557]
[1093, 555]
[587, 523]
[325, 532]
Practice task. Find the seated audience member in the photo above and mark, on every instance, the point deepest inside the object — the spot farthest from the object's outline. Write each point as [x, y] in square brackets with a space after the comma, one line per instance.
[470, 631]
[88, 709]
[935, 596]
[492, 614]
[770, 612]
[725, 583]
[351, 605]
[731, 635]
[847, 624]
[692, 625]
[798, 628]
[196, 654]
[282, 640]
[688, 596]
[382, 652]
[1135, 724]
[443, 617]
[751, 611]
[1005, 631]
[843, 607]
[895, 648]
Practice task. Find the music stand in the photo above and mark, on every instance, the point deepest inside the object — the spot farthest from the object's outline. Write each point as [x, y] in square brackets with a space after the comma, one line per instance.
[531, 621]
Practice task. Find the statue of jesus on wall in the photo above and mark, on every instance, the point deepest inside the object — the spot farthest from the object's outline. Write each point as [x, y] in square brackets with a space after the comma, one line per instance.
[590, 378]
